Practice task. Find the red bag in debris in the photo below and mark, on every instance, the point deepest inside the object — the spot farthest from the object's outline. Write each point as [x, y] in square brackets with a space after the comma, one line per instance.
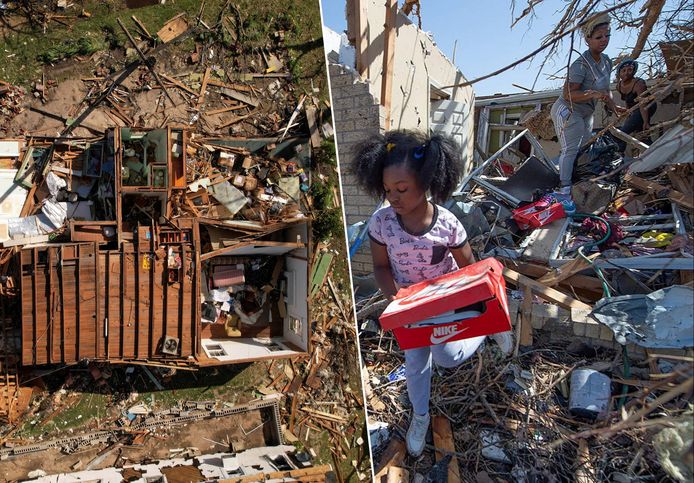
[530, 216]
[467, 303]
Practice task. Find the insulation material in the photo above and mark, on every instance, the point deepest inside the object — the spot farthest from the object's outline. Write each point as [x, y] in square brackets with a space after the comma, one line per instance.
[54, 183]
[58, 212]
[24, 227]
[232, 198]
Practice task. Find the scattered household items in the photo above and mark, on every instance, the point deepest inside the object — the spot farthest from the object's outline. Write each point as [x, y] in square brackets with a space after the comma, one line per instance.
[590, 393]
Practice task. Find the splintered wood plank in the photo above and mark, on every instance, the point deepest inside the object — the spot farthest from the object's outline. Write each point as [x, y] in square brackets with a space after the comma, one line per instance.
[393, 455]
[320, 273]
[660, 191]
[312, 118]
[443, 439]
[526, 328]
[361, 37]
[573, 267]
[203, 88]
[174, 28]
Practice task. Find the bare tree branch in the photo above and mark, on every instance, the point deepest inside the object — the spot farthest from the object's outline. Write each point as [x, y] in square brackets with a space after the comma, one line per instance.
[654, 8]
[550, 43]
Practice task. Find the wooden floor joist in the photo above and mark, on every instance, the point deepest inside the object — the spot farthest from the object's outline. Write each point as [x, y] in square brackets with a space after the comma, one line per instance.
[543, 291]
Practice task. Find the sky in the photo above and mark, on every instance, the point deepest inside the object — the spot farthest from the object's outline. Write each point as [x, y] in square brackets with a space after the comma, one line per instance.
[485, 41]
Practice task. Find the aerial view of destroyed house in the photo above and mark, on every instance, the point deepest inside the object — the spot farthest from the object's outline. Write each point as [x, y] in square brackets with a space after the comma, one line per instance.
[142, 245]
[170, 241]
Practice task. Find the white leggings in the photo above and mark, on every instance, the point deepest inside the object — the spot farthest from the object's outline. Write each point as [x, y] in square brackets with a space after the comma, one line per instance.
[572, 130]
[418, 367]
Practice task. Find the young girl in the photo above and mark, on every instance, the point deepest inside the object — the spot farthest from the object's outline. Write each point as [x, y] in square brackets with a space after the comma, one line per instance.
[414, 240]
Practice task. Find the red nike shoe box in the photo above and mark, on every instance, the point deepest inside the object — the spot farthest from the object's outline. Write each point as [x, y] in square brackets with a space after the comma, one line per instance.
[531, 216]
[469, 302]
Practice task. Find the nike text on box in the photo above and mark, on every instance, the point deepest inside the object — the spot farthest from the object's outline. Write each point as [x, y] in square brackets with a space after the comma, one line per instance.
[467, 303]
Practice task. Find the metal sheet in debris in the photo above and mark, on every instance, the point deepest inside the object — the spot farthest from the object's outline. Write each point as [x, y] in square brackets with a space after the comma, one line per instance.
[674, 147]
[533, 175]
[233, 199]
[663, 319]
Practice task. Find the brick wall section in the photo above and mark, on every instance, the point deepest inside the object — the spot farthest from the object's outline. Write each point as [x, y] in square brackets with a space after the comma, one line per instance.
[357, 115]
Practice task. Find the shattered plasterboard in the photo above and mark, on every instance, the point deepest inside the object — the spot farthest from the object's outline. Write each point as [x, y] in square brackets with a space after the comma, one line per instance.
[12, 198]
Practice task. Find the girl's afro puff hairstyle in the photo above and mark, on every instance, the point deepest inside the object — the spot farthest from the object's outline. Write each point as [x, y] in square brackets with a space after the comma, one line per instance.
[434, 160]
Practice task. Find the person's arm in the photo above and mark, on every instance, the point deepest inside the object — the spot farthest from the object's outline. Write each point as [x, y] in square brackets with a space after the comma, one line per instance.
[572, 93]
[640, 88]
[463, 255]
[382, 272]
[611, 104]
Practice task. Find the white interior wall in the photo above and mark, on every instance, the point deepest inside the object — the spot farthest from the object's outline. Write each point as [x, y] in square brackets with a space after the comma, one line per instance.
[418, 62]
[244, 349]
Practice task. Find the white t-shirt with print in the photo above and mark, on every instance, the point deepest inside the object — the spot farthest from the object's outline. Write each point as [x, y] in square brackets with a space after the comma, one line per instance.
[415, 257]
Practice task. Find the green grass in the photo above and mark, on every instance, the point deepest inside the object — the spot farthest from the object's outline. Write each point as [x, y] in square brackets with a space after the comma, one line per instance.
[25, 50]
[87, 407]
[225, 384]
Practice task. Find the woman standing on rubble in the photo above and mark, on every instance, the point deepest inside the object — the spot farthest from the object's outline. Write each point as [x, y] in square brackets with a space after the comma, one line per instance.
[630, 89]
[588, 81]
[413, 240]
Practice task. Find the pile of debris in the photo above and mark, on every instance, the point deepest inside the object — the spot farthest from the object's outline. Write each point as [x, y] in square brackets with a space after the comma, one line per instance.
[11, 103]
[600, 383]
[323, 393]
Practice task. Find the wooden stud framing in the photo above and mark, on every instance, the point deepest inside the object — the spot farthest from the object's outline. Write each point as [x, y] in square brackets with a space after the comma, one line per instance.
[388, 58]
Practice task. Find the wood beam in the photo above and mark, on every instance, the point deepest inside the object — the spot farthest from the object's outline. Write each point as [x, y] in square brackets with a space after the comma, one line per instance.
[361, 41]
[107, 303]
[544, 292]
[34, 284]
[660, 191]
[388, 58]
[97, 309]
[50, 290]
[78, 321]
[443, 439]
[122, 278]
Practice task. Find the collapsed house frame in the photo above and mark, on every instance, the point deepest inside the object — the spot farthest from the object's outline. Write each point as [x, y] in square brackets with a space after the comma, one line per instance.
[142, 267]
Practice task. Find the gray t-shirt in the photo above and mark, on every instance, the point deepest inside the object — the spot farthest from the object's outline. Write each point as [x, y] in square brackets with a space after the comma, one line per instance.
[415, 257]
[590, 75]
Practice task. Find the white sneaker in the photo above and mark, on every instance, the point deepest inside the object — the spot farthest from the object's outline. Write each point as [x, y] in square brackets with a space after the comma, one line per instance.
[504, 340]
[417, 433]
